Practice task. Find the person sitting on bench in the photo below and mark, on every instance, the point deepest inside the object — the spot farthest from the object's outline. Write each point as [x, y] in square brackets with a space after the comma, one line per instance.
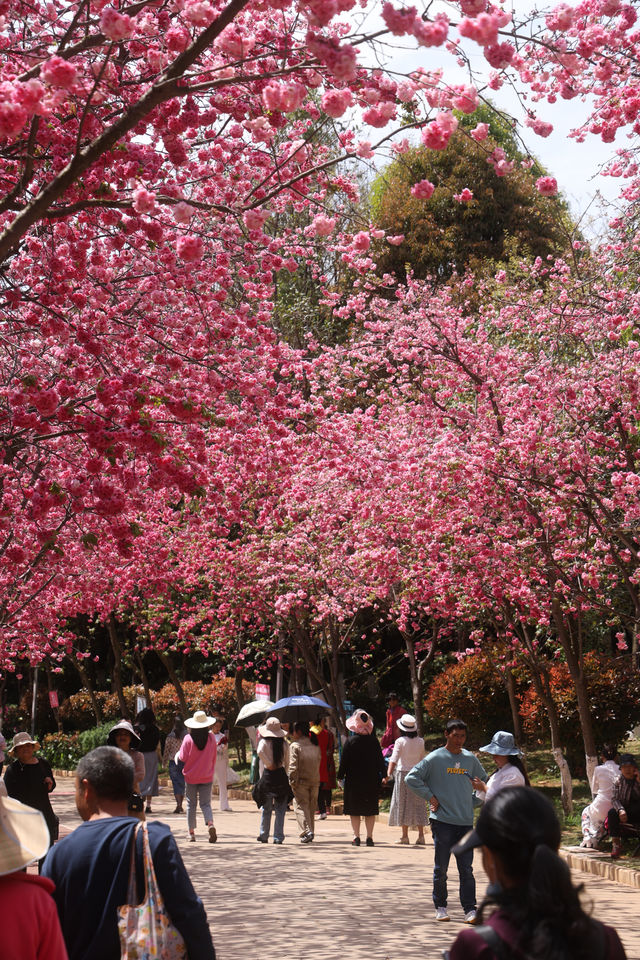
[624, 815]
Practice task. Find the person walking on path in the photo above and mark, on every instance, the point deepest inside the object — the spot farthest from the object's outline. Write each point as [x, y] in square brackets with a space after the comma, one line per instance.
[90, 867]
[407, 809]
[594, 814]
[326, 742]
[304, 777]
[625, 803]
[222, 763]
[537, 912]
[149, 734]
[362, 768]
[123, 736]
[197, 754]
[171, 746]
[444, 779]
[511, 771]
[30, 925]
[30, 780]
[272, 791]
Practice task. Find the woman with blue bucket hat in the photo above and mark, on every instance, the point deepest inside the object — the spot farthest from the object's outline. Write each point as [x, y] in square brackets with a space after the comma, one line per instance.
[511, 770]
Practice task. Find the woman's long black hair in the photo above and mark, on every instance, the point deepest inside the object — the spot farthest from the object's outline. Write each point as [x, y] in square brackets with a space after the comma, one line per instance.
[516, 762]
[200, 736]
[520, 827]
[277, 747]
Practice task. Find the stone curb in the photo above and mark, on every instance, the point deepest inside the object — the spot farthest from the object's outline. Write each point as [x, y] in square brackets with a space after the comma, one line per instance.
[608, 870]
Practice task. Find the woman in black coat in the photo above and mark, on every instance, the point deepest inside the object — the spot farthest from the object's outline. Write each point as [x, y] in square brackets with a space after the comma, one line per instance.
[362, 768]
[30, 780]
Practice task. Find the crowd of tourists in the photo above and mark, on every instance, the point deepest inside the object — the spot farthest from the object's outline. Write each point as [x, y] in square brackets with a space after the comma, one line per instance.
[134, 888]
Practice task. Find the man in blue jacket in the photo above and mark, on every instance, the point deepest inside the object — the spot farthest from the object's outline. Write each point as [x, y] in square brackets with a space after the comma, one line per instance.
[91, 866]
[444, 779]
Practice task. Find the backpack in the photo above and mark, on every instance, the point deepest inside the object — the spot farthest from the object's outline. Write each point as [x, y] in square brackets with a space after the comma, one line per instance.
[502, 950]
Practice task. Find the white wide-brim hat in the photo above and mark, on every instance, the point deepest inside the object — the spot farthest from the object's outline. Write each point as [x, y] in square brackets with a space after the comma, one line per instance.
[24, 836]
[271, 728]
[407, 723]
[20, 740]
[199, 719]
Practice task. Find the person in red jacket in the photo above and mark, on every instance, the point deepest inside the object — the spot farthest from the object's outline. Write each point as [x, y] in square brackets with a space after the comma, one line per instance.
[394, 711]
[30, 924]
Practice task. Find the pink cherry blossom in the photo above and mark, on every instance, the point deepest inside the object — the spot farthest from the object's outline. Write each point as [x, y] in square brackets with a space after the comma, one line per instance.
[399, 20]
[436, 134]
[422, 190]
[59, 73]
[547, 186]
[480, 132]
[255, 219]
[335, 102]
[116, 26]
[322, 225]
[190, 247]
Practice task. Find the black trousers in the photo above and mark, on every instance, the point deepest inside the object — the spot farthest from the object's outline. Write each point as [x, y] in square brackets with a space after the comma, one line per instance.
[616, 827]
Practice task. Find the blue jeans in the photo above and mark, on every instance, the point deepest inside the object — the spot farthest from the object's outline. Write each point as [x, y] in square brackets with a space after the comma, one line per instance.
[445, 836]
[280, 808]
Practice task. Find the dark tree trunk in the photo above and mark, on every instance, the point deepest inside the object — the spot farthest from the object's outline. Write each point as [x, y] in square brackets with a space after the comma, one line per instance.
[88, 683]
[165, 658]
[117, 666]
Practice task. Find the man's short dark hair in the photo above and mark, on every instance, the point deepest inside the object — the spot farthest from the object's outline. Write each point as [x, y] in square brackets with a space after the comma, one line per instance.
[455, 724]
[109, 770]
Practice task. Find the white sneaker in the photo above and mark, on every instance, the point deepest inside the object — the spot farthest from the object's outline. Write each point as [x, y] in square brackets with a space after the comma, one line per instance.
[470, 917]
[441, 913]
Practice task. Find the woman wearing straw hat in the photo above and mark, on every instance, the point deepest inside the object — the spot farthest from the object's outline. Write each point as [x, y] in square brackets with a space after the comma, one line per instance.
[30, 780]
[30, 924]
[407, 808]
[198, 753]
[362, 768]
[511, 770]
[272, 791]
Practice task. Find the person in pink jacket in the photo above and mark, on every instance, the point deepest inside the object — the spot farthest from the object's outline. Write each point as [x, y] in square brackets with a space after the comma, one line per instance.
[197, 757]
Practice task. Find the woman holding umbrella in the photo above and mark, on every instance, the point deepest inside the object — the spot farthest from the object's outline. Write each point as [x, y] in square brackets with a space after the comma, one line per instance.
[362, 768]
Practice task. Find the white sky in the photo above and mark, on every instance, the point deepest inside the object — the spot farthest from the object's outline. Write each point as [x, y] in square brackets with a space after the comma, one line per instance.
[575, 166]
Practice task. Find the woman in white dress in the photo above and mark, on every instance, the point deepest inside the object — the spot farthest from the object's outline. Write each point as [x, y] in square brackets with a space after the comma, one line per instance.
[407, 808]
[511, 770]
[593, 816]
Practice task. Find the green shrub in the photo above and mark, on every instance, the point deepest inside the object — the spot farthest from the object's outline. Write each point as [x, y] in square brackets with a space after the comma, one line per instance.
[96, 737]
[473, 690]
[62, 750]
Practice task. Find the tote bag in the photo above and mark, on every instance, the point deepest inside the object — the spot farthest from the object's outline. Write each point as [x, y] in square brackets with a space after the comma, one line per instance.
[146, 932]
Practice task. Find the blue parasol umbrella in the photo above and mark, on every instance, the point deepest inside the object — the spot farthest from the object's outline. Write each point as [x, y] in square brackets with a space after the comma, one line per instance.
[301, 707]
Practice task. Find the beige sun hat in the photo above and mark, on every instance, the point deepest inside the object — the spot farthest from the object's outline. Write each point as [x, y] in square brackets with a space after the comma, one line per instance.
[24, 836]
[20, 740]
[271, 728]
[199, 719]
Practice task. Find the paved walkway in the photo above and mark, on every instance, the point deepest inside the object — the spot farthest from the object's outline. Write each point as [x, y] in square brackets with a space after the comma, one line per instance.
[329, 900]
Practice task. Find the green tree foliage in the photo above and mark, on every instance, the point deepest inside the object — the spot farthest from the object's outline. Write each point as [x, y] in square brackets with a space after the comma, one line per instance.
[507, 216]
[474, 690]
